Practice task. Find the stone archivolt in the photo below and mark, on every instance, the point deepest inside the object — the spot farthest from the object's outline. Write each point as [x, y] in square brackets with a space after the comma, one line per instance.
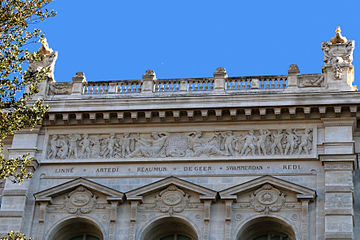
[263, 142]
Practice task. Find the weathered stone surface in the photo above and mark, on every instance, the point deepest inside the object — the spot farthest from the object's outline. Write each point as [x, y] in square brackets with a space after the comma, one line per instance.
[209, 158]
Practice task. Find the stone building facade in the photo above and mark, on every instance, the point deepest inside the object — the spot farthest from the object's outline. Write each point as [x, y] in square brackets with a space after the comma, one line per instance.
[253, 158]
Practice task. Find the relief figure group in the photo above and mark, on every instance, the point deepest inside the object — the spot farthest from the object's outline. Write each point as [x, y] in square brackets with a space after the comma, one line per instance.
[262, 142]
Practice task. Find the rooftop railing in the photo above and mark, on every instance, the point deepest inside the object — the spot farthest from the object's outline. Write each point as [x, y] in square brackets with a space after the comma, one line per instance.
[220, 82]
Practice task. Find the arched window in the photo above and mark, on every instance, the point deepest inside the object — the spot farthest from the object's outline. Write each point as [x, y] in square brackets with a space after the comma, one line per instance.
[169, 228]
[84, 237]
[76, 229]
[175, 236]
[266, 228]
[272, 236]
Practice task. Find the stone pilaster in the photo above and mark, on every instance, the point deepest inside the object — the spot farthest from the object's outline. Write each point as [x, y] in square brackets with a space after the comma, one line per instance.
[207, 210]
[339, 162]
[228, 215]
[15, 195]
[133, 214]
[113, 217]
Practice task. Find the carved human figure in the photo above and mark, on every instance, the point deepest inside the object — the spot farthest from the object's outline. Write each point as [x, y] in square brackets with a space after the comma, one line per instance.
[63, 147]
[336, 63]
[150, 147]
[109, 148]
[261, 141]
[291, 141]
[277, 138]
[53, 146]
[95, 146]
[85, 146]
[227, 143]
[305, 141]
[126, 144]
[249, 145]
[73, 148]
[198, 146]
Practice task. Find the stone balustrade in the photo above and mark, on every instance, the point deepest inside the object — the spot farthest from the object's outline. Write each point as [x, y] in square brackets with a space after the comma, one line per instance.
[217, 83]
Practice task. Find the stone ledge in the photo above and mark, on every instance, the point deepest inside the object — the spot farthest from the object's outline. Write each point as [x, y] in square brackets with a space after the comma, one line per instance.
[15, 192]
[339, 211]
[338, 235]
[338, 189]
[8, 213]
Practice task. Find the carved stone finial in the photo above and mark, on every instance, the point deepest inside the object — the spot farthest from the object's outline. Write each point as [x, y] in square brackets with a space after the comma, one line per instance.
[338, 56]
[48, 61]
[221, 70]
[79, 77]
[150, 73]
[294, 69]
[220, 73]
[44, 49]
[338, 38]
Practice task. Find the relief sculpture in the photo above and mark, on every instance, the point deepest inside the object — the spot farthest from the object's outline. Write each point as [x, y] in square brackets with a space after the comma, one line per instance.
[262, 142]
[267, 199]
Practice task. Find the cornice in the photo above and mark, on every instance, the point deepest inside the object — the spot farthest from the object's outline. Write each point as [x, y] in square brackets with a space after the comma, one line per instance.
[198, 100]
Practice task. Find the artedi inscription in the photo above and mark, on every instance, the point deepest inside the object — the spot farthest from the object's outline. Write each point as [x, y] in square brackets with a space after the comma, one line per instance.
[107, 170]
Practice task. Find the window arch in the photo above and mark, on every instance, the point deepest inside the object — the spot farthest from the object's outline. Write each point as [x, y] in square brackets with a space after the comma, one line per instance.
[76, 229]
[84, 237]
[169, 228]
[266, 228]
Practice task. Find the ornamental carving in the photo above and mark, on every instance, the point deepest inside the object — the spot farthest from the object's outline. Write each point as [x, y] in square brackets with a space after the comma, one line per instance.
[338, 53]
[267, 199]
[60, 88]
[262, 142]
[80, 201]
[311, 80]
[172, 200]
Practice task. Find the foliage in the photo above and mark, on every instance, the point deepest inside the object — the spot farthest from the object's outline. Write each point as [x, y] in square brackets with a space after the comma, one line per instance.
[15, 236]
[17, 109]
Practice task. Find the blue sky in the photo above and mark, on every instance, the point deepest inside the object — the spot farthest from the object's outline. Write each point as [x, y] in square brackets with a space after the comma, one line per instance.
[113, 40]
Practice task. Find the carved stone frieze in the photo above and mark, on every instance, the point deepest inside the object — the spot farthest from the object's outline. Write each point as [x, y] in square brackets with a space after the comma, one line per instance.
[80, 201]
[262, 142]
[267, 199]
